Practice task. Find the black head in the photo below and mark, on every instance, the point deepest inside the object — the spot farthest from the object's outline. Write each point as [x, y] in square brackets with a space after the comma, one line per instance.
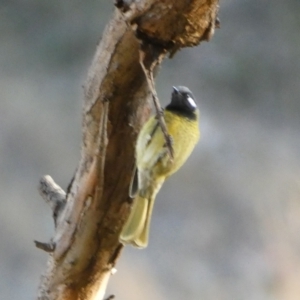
[182, 102]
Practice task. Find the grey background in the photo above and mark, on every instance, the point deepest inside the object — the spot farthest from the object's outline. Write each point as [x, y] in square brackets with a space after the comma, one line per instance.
[227, 225]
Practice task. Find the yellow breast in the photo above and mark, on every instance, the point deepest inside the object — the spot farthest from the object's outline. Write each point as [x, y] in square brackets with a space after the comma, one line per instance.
[151, 152]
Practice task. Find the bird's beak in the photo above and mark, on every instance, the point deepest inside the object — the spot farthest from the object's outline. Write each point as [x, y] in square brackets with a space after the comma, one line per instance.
[175, 89]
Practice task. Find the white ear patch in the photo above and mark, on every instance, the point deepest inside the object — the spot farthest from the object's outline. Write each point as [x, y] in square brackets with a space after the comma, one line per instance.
[191, 101]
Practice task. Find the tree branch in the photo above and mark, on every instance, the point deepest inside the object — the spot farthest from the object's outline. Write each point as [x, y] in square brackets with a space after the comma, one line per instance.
[116, 104]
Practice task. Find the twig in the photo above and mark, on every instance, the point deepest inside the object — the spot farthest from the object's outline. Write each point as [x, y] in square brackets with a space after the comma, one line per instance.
[48, 247]
[159, 110]
[51, 192]
[54, 195]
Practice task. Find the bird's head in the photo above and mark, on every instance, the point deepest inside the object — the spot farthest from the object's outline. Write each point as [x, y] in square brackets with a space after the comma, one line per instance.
[182, 101]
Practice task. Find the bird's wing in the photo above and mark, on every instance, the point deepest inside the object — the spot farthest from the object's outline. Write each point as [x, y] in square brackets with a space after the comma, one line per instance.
[150, 145]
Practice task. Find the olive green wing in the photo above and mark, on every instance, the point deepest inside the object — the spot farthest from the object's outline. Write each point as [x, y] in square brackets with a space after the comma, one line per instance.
[150, 145]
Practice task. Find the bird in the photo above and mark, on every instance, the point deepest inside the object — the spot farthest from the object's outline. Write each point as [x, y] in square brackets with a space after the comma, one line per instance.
[154, 164]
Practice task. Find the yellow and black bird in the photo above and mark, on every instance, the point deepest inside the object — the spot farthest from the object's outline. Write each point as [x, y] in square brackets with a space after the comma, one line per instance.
[153, 162]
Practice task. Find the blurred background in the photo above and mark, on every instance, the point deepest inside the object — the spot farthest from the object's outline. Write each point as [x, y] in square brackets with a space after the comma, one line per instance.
[227, 226]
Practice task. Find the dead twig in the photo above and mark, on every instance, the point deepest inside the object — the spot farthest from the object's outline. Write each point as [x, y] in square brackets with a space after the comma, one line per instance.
[48, 247]
[159, 110]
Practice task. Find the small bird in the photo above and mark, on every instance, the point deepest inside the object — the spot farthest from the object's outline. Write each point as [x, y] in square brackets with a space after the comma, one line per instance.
[154, 164]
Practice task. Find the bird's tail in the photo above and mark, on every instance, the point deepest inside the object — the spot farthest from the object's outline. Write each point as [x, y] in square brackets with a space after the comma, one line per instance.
[136, 228]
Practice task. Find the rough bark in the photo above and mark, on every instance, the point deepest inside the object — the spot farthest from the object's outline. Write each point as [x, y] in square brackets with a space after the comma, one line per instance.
[85, 246]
